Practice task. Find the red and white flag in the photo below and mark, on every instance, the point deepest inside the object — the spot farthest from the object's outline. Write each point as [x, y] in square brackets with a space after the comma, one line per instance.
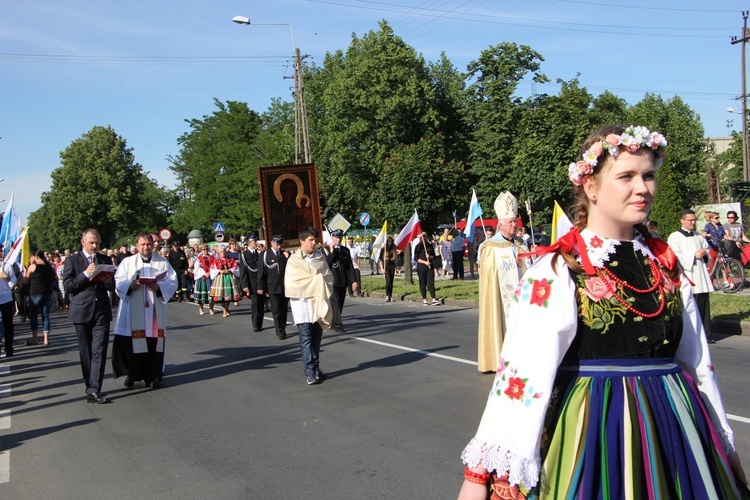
[412, 230]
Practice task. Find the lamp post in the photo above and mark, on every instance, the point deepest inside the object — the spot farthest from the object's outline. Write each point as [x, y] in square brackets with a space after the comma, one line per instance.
[301, 133]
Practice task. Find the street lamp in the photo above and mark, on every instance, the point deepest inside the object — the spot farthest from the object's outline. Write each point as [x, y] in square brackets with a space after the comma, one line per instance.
[301, 134]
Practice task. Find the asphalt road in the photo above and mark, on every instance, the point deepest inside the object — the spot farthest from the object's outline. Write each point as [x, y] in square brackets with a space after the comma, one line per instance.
[235, 418]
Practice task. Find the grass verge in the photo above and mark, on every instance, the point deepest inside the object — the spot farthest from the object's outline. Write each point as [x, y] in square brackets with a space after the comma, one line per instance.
[728, 307]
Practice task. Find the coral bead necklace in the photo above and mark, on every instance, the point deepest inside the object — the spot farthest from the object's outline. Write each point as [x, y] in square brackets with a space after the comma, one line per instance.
[657, 285]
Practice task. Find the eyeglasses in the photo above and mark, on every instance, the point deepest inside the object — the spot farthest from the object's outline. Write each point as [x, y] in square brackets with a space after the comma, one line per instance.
[690, 220]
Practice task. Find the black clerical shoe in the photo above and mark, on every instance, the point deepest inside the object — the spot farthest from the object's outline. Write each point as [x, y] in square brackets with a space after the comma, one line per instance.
[96, 397]
[128, 383]
[156, 384]
[282, 336]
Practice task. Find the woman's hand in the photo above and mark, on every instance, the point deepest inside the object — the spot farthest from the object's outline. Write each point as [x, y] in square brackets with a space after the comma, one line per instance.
[472, 491]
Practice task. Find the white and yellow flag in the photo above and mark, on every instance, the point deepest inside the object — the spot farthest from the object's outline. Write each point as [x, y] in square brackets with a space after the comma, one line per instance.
[21, 248]
[379, 242]
[560, 223]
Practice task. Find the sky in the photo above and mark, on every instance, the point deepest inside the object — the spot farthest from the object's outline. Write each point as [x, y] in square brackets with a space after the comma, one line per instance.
[145, 67]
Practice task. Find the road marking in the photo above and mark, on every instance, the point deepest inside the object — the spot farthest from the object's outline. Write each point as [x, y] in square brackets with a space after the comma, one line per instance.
[4, 392]
[738, 418]
[474, 363]
[409, 349]
[4, 424]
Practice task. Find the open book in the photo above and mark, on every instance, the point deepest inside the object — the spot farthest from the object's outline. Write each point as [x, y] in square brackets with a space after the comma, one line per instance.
[147, 280]
[102, 270]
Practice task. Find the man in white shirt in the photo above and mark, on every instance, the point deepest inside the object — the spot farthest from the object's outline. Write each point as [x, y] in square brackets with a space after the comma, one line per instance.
[692, 251]
[355, 252]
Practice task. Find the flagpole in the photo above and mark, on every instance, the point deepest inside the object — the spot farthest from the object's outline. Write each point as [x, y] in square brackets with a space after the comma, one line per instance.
[531, 221]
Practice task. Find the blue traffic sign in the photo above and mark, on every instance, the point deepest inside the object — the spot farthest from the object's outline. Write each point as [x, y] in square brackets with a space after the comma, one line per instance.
[364, 218]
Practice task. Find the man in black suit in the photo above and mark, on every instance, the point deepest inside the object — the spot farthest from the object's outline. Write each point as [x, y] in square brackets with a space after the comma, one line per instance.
[249, 261]
[90, 311]
[271, 271]
[340, 261]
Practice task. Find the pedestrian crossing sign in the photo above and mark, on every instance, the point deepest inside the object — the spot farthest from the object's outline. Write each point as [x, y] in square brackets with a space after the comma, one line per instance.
[218, 227]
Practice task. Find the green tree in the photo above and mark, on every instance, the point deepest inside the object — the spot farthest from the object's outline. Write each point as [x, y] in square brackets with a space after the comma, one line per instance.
[729, 163]
[494, 112]
[608, 109]
[687, 153]
[275, 142]
[550, 132]
[450, 102]
[668, 203]
[99, 185]
[363, 104]
[217, 170]
[415, 176]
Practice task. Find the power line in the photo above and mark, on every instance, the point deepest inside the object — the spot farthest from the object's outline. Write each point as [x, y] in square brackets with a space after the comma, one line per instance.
[642, 7]
[552, 25]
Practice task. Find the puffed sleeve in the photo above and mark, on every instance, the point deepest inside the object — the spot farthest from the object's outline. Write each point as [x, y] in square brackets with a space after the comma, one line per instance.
[214, 270]
[693, 357]
[509, 436]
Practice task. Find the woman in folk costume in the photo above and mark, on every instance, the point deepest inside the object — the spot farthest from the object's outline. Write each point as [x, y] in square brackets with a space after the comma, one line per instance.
[612, 394]
[144, 282]
[224, 289]
[202, 275]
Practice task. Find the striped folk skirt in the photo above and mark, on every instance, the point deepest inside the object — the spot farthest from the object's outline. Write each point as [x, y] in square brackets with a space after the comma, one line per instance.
[632, 429]
[202, 290]
[225, 289]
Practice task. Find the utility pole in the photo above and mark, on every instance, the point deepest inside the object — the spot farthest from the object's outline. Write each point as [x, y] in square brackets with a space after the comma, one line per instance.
[745, 153]
[301, 132]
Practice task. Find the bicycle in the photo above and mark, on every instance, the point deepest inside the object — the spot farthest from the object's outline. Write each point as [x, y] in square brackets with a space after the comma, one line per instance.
[727, 274]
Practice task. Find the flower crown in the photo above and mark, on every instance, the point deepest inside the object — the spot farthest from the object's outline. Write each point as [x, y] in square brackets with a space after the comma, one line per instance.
[632, 139]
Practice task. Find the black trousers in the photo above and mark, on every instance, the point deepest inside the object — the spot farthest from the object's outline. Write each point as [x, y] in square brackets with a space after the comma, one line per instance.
[704, 308]
[181, 282]
[426, 281]
[458, 264]
[337, 305]
[7, 310]
[257, 303]
[93, 342]
[390, 271]
[279, 305]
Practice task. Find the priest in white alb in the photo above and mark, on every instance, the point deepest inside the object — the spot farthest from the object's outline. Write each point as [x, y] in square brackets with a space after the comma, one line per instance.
[144, 282]
[500, 270]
